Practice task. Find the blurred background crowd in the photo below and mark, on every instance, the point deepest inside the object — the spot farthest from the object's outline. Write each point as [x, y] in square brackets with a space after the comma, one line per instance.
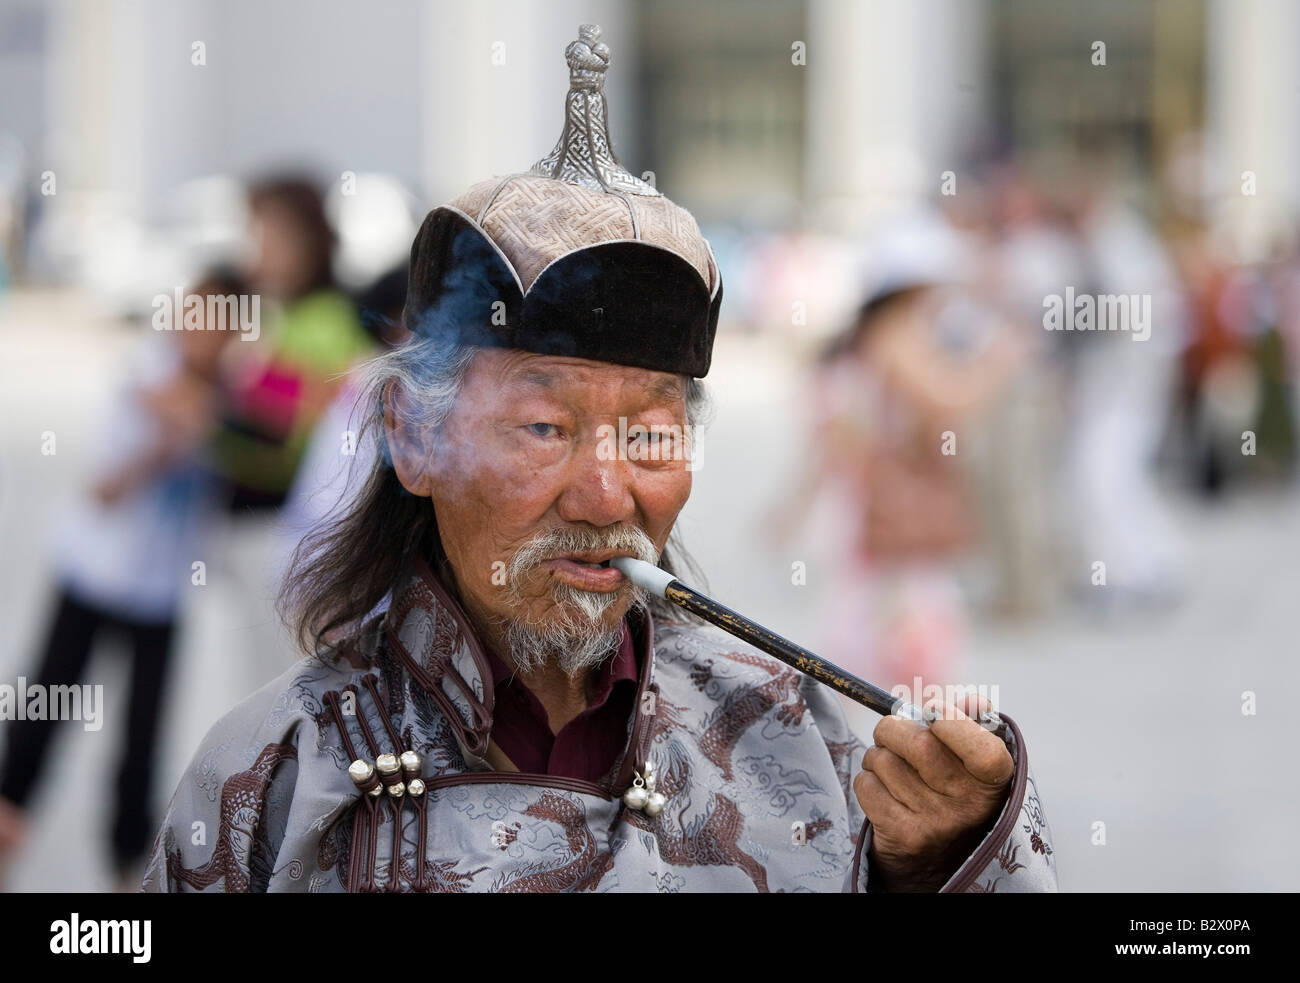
[905, 470]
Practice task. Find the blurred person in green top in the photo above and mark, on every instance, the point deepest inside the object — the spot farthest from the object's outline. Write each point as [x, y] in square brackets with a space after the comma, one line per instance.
[279, 386]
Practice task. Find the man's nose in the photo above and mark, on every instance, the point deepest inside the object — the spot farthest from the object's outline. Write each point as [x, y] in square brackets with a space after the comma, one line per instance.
[600, 493]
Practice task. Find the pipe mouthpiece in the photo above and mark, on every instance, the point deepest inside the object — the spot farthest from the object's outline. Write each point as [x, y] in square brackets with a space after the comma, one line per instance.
[647, 576]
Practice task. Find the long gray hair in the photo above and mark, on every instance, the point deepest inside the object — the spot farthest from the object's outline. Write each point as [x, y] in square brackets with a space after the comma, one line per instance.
[345, 568]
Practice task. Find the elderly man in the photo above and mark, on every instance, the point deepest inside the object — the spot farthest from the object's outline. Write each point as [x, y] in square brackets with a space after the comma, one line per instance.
[491, 706]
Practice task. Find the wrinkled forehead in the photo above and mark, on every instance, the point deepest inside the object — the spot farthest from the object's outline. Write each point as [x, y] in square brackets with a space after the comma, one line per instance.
[521, 372]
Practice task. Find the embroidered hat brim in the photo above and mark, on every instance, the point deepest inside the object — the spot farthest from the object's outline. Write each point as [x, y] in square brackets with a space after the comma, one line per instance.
[628, 302]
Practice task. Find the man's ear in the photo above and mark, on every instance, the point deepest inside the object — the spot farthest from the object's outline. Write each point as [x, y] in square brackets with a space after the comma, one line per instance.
[411, 445]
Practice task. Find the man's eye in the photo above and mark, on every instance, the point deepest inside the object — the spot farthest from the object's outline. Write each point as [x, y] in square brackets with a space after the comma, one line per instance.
[542, 429]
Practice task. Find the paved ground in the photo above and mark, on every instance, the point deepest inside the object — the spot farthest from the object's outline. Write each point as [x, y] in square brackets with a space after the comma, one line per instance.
[1133, 721]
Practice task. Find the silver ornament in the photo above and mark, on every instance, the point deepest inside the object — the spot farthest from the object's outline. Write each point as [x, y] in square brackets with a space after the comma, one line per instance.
[655, 803]
[360, 771]
[636, 797]
[411, 764]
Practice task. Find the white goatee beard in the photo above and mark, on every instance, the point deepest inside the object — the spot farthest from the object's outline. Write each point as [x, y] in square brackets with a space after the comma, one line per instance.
[571, 642]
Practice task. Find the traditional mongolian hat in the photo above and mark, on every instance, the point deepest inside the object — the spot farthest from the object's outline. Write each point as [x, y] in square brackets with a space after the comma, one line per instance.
[575, 257]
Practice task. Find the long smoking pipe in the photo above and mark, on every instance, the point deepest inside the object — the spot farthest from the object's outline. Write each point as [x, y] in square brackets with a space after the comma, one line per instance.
[661, 583]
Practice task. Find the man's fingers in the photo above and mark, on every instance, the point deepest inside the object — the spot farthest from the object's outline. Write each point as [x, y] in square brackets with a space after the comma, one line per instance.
[980, 752]
[981, 710]
[974, 705]
[877, 802]
[899, 777]
[938, 766]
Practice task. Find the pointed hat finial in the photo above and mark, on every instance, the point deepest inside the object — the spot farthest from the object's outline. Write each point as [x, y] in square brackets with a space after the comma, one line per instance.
[583, 155]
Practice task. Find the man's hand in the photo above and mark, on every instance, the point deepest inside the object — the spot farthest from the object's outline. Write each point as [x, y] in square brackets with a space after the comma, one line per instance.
[931, 794]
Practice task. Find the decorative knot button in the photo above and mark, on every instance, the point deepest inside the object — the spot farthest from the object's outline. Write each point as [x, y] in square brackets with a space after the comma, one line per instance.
[363, 776]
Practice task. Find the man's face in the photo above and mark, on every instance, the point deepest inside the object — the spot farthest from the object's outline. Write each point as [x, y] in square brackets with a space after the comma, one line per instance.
[526, 451]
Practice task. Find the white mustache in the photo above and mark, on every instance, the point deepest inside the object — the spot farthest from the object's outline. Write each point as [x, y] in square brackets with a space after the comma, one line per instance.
[561, 542]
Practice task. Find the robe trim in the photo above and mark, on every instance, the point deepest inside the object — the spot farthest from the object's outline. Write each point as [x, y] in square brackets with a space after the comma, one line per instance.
[518, 778]
[473, 735]
[987, 851]
[642, 728]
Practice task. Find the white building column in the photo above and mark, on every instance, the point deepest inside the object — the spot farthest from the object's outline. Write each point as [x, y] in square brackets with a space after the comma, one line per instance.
[1252, 110]
[896, 88]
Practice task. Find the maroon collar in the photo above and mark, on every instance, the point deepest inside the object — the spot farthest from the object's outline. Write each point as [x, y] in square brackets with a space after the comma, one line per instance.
[587, 745]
